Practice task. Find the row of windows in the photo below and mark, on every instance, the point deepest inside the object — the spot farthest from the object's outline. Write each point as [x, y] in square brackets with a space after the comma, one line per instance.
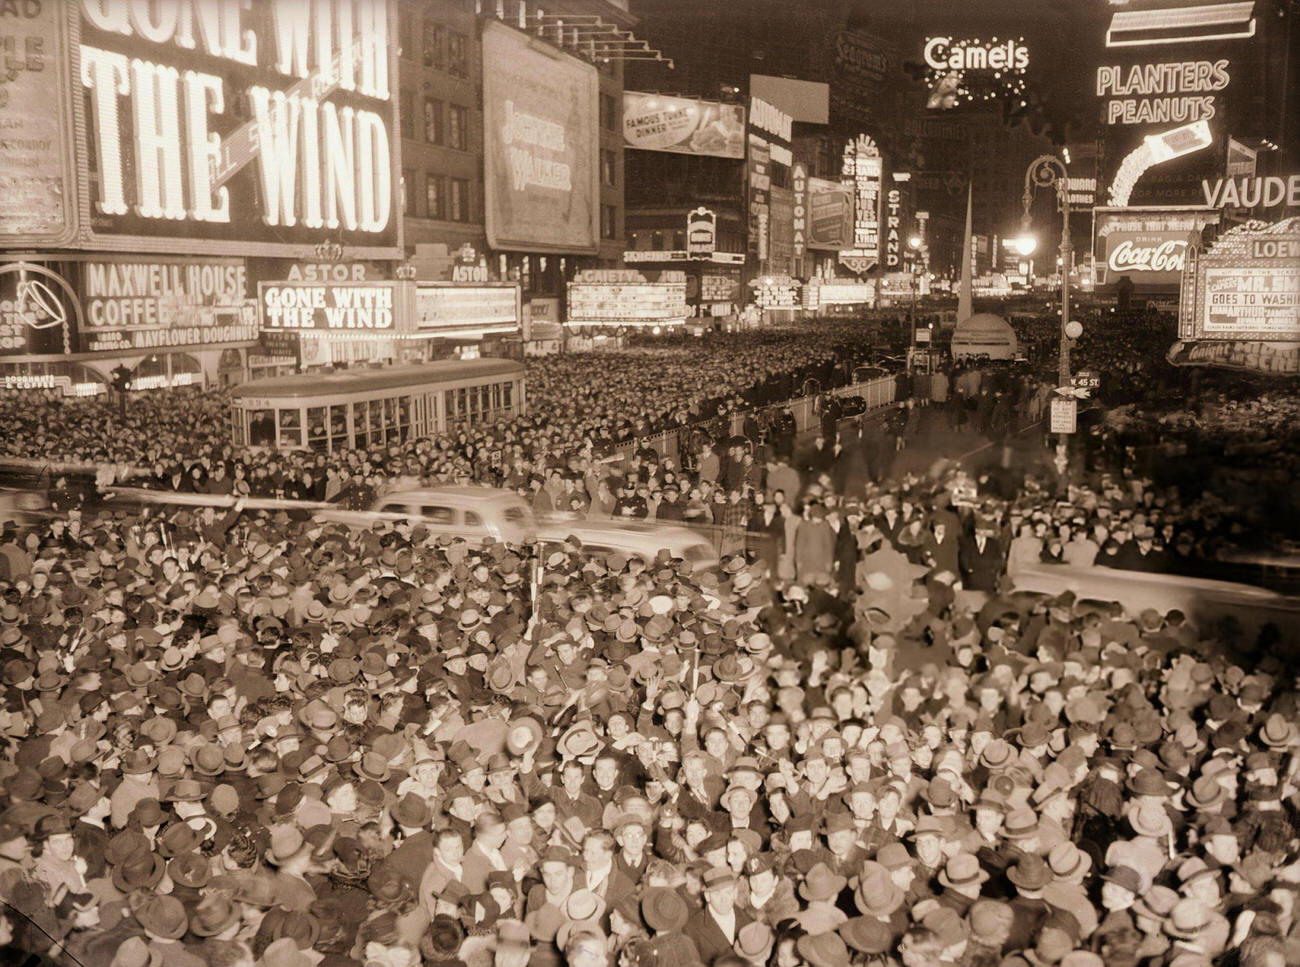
[445, 199]
[434, 45]
[442, 124]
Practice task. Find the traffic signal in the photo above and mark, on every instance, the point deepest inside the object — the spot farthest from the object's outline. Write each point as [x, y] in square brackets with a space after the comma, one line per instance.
[121, 377]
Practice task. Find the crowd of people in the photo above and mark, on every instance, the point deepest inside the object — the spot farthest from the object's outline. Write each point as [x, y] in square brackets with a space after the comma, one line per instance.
[235, 737]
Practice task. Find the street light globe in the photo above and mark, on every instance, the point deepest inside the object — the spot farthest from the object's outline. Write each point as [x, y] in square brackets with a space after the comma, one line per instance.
[1025, 244]
[1073, 330]
[914, 242]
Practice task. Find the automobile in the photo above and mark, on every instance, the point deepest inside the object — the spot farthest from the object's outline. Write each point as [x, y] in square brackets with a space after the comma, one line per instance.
[472, 513]
[635, 539]
[23, 506]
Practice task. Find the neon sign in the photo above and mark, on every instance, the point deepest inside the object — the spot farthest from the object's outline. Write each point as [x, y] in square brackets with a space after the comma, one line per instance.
[1174, 93]
[252, 119]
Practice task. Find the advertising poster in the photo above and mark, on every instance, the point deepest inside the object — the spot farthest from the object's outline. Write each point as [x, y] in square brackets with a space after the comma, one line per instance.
[1241, 305]
[1258, 301]
[150, 304]
[241, 128]
[345, 307]
[1149, 247]
[626, 297]
[444, 307]
[657, 122]
[865, 70]
[540, 118]
[781, 245]
[38, 310]
[1165, 116]
[830, 215]
[863, 169]
[37, 199]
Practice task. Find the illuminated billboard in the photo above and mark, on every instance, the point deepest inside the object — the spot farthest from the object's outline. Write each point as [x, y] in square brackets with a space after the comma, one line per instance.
[863, 169]
[330, 307]
[830, 215]
[1240, 305]
[239, 128]
[540, 118]
[1148, 246]
[37, 197]
[683, 125]
[627, 297]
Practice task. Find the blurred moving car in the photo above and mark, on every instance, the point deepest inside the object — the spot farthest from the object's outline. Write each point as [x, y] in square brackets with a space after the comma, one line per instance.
[23, 506]
[642, 540]
[472, 513]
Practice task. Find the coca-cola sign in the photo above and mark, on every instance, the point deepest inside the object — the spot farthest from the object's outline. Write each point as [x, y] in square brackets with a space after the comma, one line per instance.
[1148, 246]
[1139, 254]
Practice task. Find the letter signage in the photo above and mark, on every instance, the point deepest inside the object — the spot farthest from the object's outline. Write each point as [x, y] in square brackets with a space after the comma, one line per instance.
[240, 128]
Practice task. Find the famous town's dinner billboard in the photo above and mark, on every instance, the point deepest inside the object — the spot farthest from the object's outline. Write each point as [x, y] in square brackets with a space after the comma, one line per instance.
[540, 117]
[237, 128]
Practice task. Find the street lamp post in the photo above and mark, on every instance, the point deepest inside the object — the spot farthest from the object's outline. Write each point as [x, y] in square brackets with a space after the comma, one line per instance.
[1048, 171]
[914, 243]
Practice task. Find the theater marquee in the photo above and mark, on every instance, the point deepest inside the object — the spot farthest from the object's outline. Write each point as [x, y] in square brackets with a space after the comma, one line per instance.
[241, 129]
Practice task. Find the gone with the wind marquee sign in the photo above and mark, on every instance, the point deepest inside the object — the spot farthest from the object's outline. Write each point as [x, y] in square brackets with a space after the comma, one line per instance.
[244, 125]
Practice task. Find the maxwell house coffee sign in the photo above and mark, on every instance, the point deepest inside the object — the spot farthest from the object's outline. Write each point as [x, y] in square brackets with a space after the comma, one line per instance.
[239, 127]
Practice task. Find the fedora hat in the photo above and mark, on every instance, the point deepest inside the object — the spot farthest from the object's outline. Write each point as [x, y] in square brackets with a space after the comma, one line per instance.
[1150, 819]
[877, 895]
[163, 916]
[664, 909]
[962, 870]
[820, 883]
[867, 935]
[1067, 860]
[1206, 793]
[580, 740]
[823, 949]
[525, 733]
[140, 871]
[214, 913]
[1277, 732]
[1030, 873]
[1187, 919]
[191, 870]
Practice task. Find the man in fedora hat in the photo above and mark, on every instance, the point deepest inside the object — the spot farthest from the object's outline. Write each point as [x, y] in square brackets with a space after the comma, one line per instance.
[714, 929]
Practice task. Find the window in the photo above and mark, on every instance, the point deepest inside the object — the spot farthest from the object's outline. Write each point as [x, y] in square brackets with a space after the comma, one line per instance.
[608, 221]
[431, 43]
[405, 25]
[472, 519]
[432, 121]
[458, 208]
[439, 47]
[608, 112]
[457, 123]
[438, 515]
[408, 186]
[407, 108]
[435, 194]
[457, 54]
[514, 515]
[608, 167]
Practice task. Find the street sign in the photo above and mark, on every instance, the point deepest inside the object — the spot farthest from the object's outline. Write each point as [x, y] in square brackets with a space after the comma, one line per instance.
[1064, 416]
[1085, 379]
[1073, 392]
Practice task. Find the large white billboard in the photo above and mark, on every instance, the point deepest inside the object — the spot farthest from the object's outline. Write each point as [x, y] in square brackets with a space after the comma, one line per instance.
[540, 121]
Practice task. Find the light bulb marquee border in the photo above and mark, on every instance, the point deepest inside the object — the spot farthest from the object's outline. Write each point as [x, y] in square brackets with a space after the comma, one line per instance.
[977, 84]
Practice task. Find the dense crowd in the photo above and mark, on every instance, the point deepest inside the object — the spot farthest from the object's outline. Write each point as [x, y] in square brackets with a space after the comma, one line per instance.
[236, 738]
